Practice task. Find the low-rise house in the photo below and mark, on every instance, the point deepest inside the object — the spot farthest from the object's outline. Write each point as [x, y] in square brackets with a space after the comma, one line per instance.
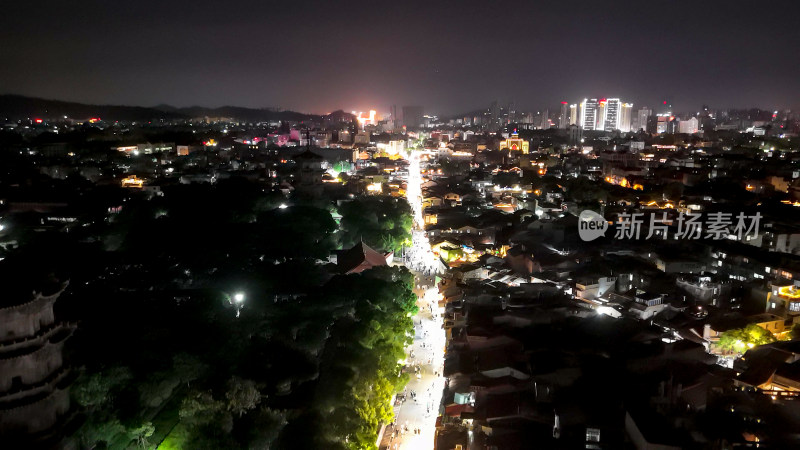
[773, 367]
[361, 257]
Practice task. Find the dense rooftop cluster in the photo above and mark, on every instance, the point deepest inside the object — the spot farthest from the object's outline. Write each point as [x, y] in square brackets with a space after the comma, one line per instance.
[673, 326]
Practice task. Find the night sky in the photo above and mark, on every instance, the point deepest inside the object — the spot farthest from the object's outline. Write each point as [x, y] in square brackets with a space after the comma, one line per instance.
[448, 56]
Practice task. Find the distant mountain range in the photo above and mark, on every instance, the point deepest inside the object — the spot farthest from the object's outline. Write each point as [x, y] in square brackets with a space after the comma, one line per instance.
[18, 107]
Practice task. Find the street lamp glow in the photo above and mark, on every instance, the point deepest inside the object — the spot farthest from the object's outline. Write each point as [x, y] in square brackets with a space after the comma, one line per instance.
[238, 302]
[283, 206]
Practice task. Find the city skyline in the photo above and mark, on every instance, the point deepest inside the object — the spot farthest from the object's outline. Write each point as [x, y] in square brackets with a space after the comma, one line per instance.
[399, 225]
[381, 112]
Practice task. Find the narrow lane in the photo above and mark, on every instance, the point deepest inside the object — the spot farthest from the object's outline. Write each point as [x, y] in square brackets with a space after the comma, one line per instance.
[418, 407]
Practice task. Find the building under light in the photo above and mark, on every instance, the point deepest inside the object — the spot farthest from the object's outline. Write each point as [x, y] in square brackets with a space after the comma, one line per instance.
[588, 114]
[369, 119]
[690, 126]
[666, 123]
[392, 148]
[132, 182]
[612, 114]
[602, 111]
[515, 143]
[148, 148]
[625, 116]
[602, 115]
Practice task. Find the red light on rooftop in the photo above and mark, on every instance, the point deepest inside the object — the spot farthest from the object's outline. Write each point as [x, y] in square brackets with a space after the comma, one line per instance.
[665, 102]
[563, 103]
[38, 121]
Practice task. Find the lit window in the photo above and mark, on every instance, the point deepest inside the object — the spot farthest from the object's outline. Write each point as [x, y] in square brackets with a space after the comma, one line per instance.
[592, 435]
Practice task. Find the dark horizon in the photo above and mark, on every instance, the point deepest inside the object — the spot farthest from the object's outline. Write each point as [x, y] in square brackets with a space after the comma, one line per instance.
[449, 57]
[656, 107]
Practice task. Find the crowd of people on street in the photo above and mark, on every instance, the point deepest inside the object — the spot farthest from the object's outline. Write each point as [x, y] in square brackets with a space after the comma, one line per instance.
[419, 257]
[424, 364]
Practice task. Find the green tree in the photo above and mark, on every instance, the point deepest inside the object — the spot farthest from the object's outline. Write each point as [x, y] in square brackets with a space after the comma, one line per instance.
[265, 427]
[453, 167]
[741, 339]
[100, 429]
[584, 190]
[157, 388]
[343, 166]
[359, 370]
[242, 395]
[382, 222]
[93, 390]
[141, 433]
[200, 408]
[188, 367]
[298, 231]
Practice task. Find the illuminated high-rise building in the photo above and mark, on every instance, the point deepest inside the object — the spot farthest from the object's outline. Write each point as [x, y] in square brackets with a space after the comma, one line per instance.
[689, 126]
[666, 123]
[588, 117]
[625, 116]
[602, 109]
[602, 115]
[573, 114]
[612, 114]
[563, 118]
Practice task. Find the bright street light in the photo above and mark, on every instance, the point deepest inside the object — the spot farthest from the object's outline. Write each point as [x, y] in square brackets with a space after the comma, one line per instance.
[238, 302]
